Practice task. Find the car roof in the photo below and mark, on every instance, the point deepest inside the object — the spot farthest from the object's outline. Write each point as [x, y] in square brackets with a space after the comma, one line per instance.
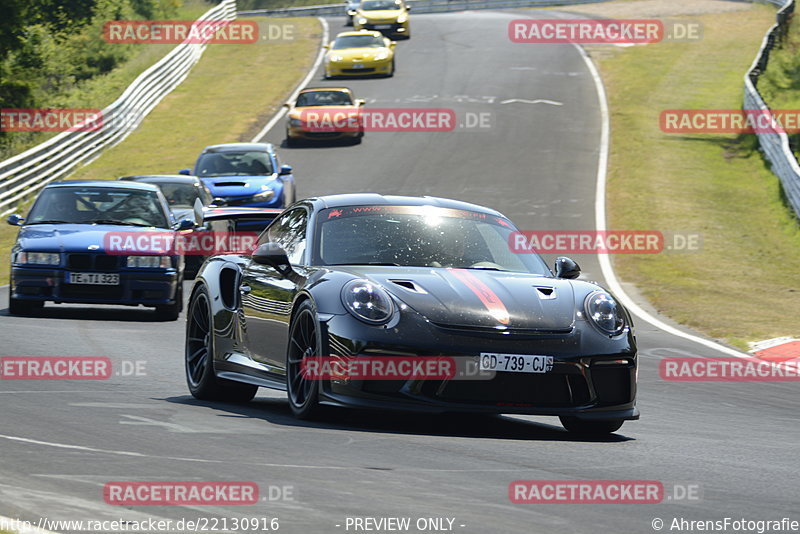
[162, 178]
[359, 32]
[239, 147]
[375, 199]
[109, 184]
[311, 89]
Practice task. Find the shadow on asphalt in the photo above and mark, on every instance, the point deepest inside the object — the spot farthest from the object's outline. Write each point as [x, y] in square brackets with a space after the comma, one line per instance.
[87, 313]
[276, 411]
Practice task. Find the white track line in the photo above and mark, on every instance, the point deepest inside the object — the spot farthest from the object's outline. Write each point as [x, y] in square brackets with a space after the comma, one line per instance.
[282, 111]
[600, 225]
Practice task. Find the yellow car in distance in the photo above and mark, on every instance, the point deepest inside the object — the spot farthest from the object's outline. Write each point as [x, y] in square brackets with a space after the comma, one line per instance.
[359, 53]
[324, 113]
[387, 16]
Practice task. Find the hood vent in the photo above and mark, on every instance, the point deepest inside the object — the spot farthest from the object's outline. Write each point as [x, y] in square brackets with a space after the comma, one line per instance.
[234, 184]
[545, 292]
[410, 286]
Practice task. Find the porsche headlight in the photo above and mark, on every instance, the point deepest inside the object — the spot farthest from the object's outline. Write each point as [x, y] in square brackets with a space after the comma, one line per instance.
[367, 301]
[37, 258]
[149, 262]
[605, 313]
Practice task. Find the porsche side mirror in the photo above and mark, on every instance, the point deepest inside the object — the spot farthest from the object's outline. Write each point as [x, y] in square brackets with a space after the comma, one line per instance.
[15, 220]
[185, 224]
[326, 47]
[186, 172]
[567, 268]
[285, 169]
[360, 102]
[392, 44]
[287, 104]
[273, 255]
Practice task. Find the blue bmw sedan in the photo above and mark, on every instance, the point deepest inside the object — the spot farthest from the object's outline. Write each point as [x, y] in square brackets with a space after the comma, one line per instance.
[62, 251]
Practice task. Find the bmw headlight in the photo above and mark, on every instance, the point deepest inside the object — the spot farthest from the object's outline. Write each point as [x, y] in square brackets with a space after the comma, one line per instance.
[605, 313]
[266, 193]
[149, 262]
[37, 258]
[367, 301]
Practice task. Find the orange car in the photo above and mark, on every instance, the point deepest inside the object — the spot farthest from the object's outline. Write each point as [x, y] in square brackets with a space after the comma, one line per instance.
[324, 113]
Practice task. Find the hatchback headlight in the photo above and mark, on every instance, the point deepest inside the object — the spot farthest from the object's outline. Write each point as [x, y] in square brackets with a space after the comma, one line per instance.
[150, 262]
[37, 258]
[604, 312]
[367, 301]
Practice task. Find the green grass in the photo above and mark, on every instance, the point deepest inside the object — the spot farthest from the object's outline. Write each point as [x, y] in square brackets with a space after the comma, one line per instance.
[101, 91]
[745, 282]
[248, 5]
[228, 97]
[780, 85]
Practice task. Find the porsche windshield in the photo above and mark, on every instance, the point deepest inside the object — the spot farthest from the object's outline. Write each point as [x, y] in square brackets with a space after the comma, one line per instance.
[420, 236]
[234, 164]
[358, 41]
[98, 205]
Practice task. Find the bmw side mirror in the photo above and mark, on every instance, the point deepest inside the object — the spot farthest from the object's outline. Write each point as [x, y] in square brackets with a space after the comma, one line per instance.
[186, 172]
[217, 201]
[285, 169]
[185, 224]
[15, 220]
[273, 255]
[567, 268]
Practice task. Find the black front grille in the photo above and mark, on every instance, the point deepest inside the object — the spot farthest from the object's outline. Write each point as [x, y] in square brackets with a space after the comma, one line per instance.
[92, 262]
[515, 389]
[80, 291]
[358, 71]
[612, 383]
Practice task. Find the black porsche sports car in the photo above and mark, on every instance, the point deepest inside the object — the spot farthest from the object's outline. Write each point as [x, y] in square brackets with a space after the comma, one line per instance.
[366, 276]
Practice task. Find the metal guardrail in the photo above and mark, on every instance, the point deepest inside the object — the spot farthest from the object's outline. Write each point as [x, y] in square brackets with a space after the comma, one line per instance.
[26, 173]
[774, 144]
[417, 6]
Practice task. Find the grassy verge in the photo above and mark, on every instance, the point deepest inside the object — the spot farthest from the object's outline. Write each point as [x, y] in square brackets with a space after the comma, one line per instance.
[227, 97]
[248, 5]
[101, 91]
[744, 283]
[780, 85]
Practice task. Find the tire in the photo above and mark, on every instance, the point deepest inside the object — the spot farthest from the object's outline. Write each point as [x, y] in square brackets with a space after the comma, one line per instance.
[23, 307]
[198, 357]
[171, 312]
[591, 427]
[304, 340]
[290, 141]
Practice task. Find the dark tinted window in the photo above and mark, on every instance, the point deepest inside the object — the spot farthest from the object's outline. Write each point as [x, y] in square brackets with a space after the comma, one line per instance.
[103, 205]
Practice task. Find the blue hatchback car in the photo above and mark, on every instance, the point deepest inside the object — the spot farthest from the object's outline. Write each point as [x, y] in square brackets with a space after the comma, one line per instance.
[245, 174]
[63, 252]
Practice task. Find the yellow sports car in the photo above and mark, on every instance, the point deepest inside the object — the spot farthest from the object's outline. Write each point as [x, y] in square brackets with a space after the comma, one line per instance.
[387, 16]
[359, 53]
[324, 113]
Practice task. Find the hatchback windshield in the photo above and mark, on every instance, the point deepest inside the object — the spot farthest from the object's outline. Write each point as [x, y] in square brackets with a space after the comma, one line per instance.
[358, 41]
[379, 5]
[98, 205]
[234, 164]
[422, 236]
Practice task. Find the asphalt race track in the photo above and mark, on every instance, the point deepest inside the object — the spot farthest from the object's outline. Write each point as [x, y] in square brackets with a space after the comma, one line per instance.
[60, 442]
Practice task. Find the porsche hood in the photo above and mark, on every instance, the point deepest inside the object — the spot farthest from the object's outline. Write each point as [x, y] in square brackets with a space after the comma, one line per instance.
[473, 298]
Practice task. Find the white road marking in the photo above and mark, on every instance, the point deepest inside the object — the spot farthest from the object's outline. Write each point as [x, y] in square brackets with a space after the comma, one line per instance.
[282, 111]
[537, 101]
[139, 420]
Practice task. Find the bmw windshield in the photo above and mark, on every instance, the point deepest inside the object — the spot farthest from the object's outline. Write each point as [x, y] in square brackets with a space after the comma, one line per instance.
[98, 205]
[419, 236]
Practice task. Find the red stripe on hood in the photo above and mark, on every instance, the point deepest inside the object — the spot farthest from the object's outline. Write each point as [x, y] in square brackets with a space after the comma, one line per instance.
[488, 297]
